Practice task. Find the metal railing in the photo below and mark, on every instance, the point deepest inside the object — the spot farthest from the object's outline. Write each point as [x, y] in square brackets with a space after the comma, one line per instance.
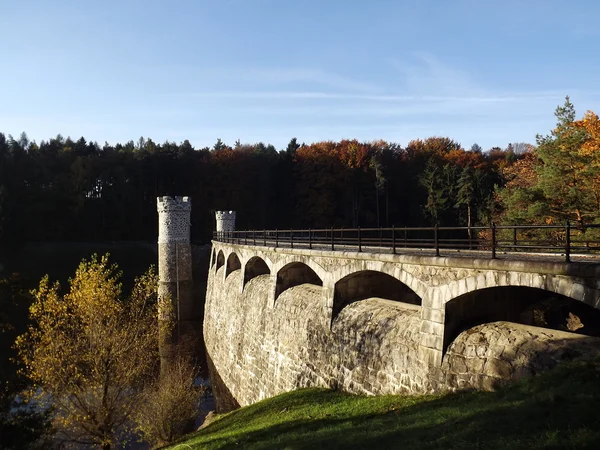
[537, 239]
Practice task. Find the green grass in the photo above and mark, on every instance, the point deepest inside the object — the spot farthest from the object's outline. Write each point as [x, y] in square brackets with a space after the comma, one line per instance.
[560, 409]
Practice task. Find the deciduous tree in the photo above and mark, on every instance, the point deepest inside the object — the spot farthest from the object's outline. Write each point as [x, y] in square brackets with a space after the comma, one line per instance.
[90, 350]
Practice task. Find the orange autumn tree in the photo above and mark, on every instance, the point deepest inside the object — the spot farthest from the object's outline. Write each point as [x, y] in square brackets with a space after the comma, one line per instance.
[590, 150]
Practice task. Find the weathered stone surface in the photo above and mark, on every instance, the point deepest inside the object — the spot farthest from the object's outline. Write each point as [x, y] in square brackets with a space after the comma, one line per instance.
[174, 267]
[262, 351]
[261, 347]
[503, 351]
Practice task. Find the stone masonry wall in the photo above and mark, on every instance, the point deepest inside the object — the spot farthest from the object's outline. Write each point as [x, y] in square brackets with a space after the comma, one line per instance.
[261, 351]
[258, 350]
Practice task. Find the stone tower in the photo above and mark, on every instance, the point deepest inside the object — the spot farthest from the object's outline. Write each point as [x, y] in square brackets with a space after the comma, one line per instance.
[225, 221]
[174, 267]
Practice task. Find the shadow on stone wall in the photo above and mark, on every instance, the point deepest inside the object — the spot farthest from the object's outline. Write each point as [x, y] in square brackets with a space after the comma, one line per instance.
[528, 306]
[224, 400]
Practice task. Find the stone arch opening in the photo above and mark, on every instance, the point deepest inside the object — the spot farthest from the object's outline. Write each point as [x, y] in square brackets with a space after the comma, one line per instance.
[371, 283]
[220, 260]
[295, 274]
[519, 304]
[254, 267]
[233, 264]
[213, 258]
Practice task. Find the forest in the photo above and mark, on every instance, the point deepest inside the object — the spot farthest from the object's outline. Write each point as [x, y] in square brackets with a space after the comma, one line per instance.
[76, 190]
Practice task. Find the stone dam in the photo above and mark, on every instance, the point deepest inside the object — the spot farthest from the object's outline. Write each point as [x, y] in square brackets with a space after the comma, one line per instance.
[278, 319]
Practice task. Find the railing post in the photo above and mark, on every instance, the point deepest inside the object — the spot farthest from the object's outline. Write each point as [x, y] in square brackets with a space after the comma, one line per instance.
[405, 237]
[310, 238]
[264, 237]
[254, 237]
[514, 238]
[291, 238]
[568, 241]
[332, 243]
[276, 238]
[437, 241]
[380, 238]
[493, 240]
[359, 241]
[393, 239]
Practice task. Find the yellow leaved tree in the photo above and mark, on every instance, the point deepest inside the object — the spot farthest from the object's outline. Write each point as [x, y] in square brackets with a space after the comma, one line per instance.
[90, 351]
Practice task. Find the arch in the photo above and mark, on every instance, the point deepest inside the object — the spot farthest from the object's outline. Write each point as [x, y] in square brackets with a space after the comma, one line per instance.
[233, 264]
[295, 274]
[213, 259]
[254, 267]
[371, 283]
[519, 304]
[289, 259]
[563, 285]
[220, 260]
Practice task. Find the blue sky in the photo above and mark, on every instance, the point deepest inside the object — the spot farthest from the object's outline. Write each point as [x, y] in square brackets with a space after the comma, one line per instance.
[268, 70]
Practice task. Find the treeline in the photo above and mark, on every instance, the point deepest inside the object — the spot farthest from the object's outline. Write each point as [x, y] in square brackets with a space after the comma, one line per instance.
[63, 189]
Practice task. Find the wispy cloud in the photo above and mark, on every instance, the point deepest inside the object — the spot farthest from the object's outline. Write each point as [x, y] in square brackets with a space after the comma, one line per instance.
[305, 76]
[424, 73]
[317, 95]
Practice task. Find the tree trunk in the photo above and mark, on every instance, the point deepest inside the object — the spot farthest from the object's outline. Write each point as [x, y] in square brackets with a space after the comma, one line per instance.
[387, 206]
[469, 225]
[469, 219]
[377, 204]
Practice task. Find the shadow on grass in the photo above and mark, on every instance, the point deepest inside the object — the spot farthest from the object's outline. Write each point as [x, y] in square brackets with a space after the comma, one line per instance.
[554, 410]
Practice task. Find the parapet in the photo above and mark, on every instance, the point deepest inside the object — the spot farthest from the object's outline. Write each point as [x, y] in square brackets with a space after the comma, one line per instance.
[173, 204]
[225, 220]
[173, 219]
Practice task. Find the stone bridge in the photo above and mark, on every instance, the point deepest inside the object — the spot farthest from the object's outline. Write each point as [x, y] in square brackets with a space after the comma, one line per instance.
[429, 300]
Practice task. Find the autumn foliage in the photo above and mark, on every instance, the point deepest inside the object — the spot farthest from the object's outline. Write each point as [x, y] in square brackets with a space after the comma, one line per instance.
[559, 179]
[90, 350]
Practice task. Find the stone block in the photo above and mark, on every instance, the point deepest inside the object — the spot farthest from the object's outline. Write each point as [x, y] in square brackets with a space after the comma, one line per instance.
[431, 341]
[432, 328]
[471, 284]
[578, 291]
[433, 315]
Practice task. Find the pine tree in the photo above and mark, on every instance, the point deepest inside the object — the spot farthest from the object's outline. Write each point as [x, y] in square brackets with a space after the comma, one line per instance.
[562, 169]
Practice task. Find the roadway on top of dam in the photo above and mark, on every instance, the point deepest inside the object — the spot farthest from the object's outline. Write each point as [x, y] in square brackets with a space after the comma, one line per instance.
[299, 244]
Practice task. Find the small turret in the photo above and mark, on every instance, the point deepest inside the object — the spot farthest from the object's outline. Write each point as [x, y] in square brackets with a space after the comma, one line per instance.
[173, 219]
[225, 220]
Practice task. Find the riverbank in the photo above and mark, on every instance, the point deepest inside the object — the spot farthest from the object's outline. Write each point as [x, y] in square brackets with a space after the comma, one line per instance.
[557, 409]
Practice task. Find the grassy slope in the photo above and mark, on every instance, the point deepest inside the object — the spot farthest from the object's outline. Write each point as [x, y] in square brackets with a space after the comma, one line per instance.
[560, 409]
